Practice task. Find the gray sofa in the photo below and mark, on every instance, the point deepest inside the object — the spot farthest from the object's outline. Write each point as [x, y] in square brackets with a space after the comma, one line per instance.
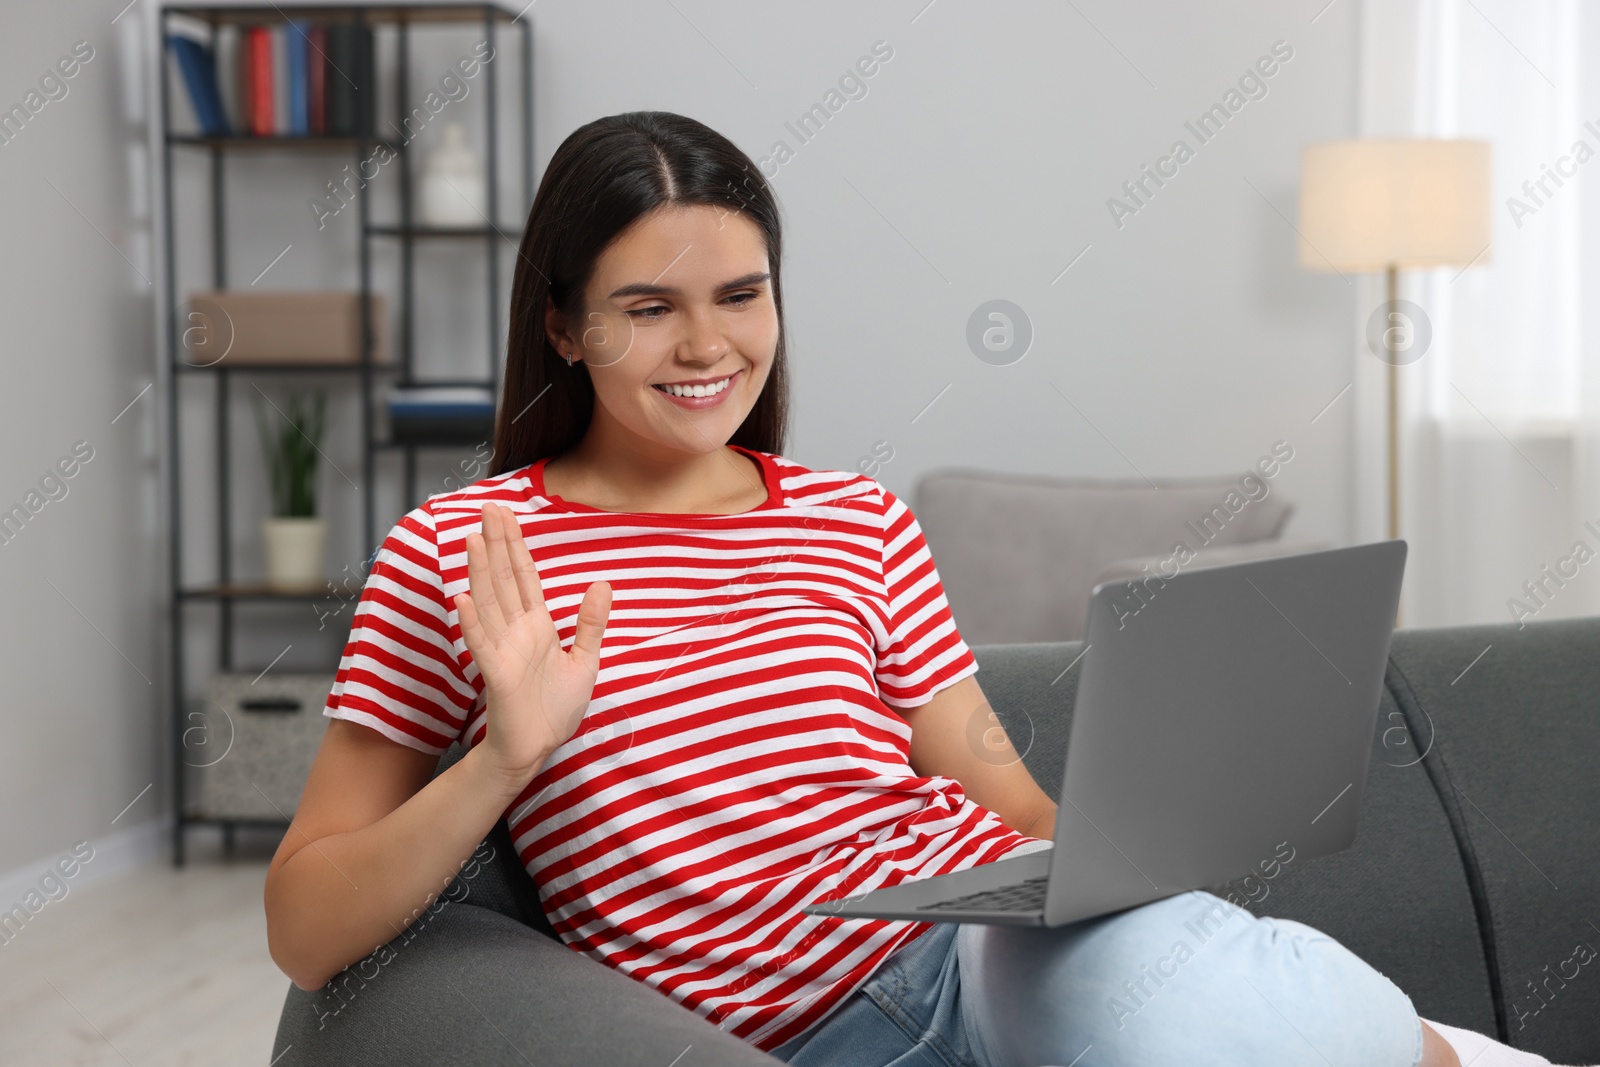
[1474, 881]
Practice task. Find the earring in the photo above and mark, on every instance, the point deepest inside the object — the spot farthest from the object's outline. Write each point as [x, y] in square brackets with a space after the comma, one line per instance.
[569, 359]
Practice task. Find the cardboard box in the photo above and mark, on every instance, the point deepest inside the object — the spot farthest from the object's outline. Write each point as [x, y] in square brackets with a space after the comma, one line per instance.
[239, 327]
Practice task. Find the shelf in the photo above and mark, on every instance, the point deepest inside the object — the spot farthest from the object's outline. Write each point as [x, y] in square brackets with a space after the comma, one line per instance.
[376, 14]
[472, 383]
[237, 598]
[444, 231]
[289, 367]
[283, 367]
[400, 446]
[295, 141]
[251, 591]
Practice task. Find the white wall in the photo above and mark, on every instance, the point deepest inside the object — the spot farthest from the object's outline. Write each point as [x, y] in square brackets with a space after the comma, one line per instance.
[80, 653]
[987, 148]
[977, 166]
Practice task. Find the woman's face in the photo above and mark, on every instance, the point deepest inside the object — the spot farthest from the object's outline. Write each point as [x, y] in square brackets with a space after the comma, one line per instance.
[681, 296]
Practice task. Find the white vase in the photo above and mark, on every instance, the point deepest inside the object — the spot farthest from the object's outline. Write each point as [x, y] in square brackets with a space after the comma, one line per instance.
[295, 551]
[452, 183]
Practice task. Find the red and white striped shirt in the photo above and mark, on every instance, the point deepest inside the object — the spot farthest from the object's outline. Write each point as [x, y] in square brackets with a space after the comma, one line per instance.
[740, 756]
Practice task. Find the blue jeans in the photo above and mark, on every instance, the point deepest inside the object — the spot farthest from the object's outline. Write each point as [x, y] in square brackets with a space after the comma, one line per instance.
[1188, 980]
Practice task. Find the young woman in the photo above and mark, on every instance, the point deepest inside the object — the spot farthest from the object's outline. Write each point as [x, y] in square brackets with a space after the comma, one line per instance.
[706, 685]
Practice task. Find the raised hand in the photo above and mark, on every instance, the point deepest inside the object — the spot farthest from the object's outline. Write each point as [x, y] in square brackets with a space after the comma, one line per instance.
[536, 692]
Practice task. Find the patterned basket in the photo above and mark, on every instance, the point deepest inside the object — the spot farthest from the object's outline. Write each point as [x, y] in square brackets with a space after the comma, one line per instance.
[253, 741]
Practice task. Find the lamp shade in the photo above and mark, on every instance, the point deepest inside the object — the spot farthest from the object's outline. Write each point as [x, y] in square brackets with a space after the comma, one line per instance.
[1371, 203]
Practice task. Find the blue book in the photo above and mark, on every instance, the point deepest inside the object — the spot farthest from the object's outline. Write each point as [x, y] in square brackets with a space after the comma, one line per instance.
[299, 49]
[441, 414]
[199, 71]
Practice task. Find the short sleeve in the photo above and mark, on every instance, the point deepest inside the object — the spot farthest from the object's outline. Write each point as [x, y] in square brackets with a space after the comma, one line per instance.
[399, 673]
[924, 652]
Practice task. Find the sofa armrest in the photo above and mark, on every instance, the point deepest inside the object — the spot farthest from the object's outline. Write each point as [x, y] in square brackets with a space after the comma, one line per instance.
[475, 986]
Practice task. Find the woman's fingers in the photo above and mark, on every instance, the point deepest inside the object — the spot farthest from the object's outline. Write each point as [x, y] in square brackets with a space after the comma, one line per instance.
[478, 643]
[592, 616]
[506, 594]
[522, 564]
[504, 584]
[482, 587]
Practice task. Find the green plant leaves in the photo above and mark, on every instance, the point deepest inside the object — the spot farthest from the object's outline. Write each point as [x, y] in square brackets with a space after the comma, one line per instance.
[290, 444]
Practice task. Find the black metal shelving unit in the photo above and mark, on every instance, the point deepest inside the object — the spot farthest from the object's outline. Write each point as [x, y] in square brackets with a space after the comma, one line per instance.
[224, 592]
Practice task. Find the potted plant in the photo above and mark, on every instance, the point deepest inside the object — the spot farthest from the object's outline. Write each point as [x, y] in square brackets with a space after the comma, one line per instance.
[294, 535]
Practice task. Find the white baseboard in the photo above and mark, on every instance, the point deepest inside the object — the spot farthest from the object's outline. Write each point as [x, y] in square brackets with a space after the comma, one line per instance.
[114, 853]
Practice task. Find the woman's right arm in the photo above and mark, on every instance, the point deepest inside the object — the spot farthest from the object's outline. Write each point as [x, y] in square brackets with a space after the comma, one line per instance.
[373, 843]
[376, 836]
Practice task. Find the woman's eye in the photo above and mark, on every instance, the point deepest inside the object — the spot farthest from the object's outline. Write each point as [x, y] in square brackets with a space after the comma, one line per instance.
[656, 311]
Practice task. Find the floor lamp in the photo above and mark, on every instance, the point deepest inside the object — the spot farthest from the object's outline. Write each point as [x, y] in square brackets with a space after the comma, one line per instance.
[1387, 204]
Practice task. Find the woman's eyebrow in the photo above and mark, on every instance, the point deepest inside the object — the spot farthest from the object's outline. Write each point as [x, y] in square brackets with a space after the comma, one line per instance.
[652, 289]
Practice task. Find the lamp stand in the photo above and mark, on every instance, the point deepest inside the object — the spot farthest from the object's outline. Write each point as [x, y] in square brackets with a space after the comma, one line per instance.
[1393, 282]
[1394, 408]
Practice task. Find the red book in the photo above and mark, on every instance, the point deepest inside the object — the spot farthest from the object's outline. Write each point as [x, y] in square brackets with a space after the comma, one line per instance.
[262, 123]
[317, 73]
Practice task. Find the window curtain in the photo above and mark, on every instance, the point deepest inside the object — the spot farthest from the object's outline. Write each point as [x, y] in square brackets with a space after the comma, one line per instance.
[1500, 417]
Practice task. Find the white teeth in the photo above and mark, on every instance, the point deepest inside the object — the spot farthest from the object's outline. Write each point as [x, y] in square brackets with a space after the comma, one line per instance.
[697, 390]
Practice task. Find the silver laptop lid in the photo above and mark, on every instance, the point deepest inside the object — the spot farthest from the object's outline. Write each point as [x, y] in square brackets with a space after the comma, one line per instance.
[1219, 713]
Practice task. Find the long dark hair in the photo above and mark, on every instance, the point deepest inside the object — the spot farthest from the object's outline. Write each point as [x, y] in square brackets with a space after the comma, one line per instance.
[606, 175]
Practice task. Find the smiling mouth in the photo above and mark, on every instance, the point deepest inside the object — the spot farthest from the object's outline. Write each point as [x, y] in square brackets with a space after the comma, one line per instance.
[692, 391]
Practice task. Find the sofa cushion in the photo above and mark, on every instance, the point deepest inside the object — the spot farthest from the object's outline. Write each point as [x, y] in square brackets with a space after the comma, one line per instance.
[1516, 755]
[1151, 568]
[500, 883]
[1398, 897]
[1018, 555]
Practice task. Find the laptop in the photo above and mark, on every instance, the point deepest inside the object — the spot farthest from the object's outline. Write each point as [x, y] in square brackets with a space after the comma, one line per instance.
[1218, 714]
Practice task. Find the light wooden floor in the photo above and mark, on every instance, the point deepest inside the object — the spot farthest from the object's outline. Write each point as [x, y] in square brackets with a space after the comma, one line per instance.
[155, 967]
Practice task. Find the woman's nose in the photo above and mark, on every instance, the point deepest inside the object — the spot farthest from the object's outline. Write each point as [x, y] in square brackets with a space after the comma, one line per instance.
[704, 335]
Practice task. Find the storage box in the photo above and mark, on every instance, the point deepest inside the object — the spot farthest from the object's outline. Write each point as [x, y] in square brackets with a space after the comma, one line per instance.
[298, 326]
[253, 742]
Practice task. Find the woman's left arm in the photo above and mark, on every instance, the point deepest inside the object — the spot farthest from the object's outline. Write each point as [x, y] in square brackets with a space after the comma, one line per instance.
[957, 735]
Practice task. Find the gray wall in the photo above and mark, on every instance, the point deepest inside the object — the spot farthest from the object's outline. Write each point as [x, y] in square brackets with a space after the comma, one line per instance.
[80, 654]
[976, 166]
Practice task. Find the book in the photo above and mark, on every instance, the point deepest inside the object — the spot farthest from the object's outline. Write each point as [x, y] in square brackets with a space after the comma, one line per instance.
[244, 77]
[225, 59]
[441, 414]
[295, 43]
[262, 123]
[317, 80]
[280, 79]
[350, 80]
[340, 87]
[366, 109]
[198, 67]
[293, 79]
[441, 399]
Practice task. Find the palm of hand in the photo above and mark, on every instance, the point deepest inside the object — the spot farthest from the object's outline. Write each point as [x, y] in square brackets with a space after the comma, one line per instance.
[535, 691]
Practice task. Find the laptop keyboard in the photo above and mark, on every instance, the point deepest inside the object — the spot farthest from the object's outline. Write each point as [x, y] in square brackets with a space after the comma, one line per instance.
[1023, 896]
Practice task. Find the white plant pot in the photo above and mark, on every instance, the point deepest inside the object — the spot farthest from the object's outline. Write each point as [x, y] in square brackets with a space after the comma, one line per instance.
[295, 551]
